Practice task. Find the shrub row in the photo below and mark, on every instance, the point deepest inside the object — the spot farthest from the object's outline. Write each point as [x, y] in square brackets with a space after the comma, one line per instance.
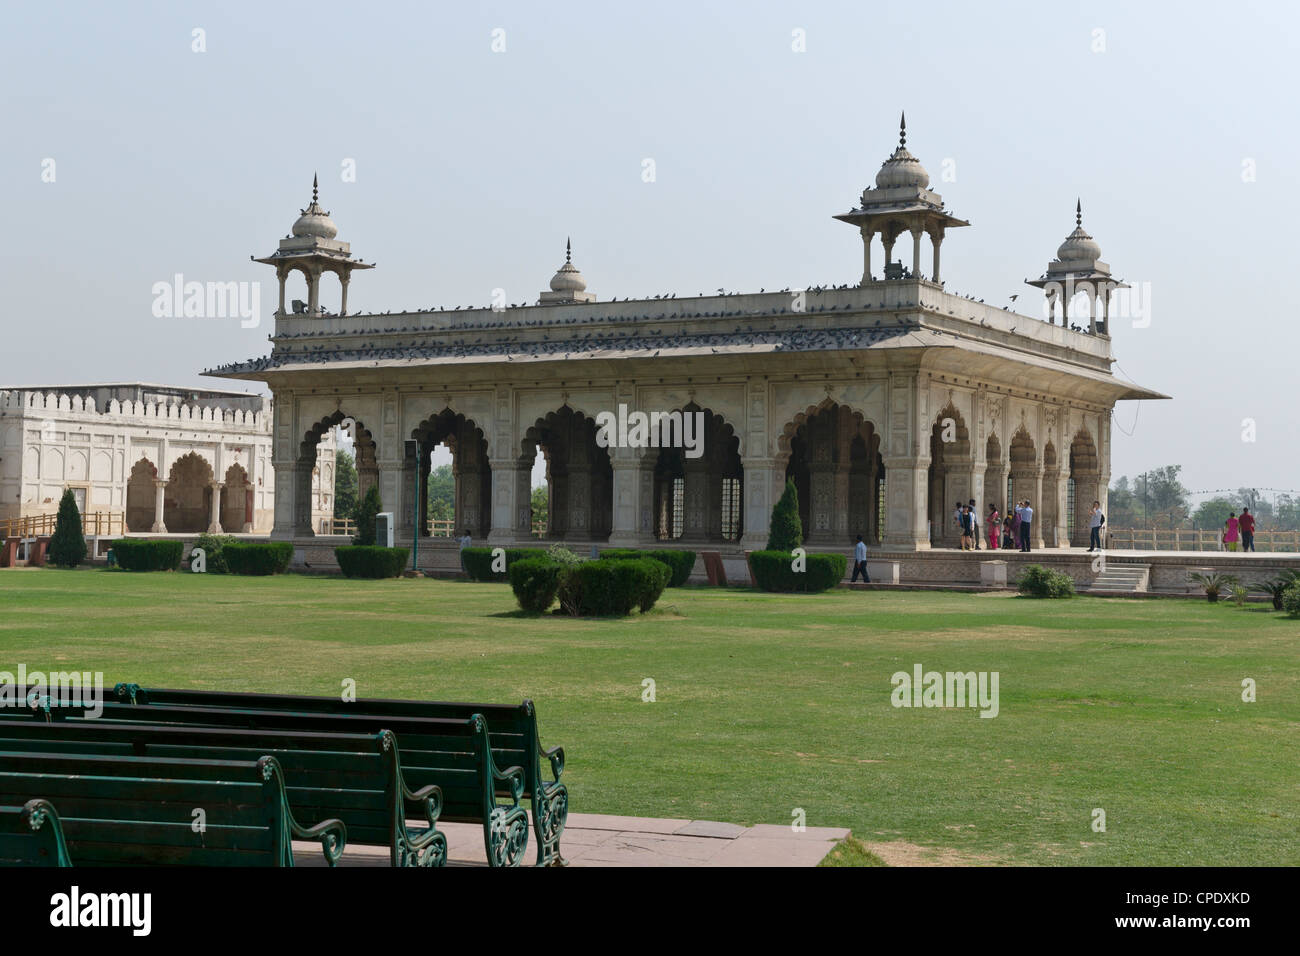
[257, 557]
[1040, 582]
[605, 587]
[214, 547]
[371, 561]
[680, 563]
[478, 562]
[775, 571]
[148, 554]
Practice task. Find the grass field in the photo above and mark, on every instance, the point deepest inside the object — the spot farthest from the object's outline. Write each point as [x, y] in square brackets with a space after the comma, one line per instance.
[768, 703]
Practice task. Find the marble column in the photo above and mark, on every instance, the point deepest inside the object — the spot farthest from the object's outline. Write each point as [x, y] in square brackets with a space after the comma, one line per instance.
[214, 522]
[159, 484]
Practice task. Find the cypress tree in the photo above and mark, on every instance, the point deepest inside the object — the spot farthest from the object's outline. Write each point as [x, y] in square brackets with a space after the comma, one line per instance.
[367, 509]
[786, 532]
[68, 544]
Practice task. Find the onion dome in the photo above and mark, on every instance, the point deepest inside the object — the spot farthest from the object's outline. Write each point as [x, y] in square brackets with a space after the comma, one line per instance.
[568, 278]
[902, 168]
[1078, 245]
[315, 221]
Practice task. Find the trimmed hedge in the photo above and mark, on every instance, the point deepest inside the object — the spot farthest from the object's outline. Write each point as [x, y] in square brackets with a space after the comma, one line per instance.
[612, 588]
[145, 554]
[1040, 582]
[478, 562]
[371, 560]
[257, 557]
[773, 570]
[535, 582]
[214, 546]
[680, 563]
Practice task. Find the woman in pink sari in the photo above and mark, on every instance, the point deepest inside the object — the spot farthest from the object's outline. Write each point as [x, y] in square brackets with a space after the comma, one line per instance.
[993, 525]
[1230, 531]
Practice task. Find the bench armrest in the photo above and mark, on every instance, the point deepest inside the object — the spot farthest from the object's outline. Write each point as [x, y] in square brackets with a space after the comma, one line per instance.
[556, 756]
[430, 800]
[515, 777]
[331, 834]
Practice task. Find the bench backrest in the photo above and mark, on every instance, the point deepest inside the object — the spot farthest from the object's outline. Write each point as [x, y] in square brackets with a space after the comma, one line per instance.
[118, 810]
[512, 728]
[352, 777]
[452, 753]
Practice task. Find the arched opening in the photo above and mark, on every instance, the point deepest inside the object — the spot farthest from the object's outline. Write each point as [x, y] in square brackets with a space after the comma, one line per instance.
[187, 503]
[463, 503]
[311, 498]
[1085, 476]
[141, 496]
[1024, 471]
[237, 501]
[835, 462]
[1048, 510]
[579, 476]
[995, 476]
[948, 478]
[698, 494]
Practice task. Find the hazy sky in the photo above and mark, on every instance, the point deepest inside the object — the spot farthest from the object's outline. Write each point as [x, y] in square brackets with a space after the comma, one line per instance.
[1176, 125]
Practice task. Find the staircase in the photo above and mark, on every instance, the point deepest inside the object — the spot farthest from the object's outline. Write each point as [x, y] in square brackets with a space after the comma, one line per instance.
[1122, 579]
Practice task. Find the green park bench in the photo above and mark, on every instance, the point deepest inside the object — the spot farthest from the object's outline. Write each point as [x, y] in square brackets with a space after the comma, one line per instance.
[356, 778]
[512, 730]
[31, 835]
[453, 754]
[121, 811]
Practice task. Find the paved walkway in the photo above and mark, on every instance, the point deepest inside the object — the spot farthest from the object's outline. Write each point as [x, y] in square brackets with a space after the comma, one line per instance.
[594, 839]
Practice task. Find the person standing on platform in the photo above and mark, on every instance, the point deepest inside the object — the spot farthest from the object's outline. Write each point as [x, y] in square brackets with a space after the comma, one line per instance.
[1246, 524]
[1095, 520]
[1230, 532]
[975, 523]
[994, 524]
[1026, 513]
[465, 542]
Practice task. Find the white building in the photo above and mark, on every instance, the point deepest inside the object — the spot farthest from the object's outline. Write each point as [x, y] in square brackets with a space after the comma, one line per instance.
[146, 458]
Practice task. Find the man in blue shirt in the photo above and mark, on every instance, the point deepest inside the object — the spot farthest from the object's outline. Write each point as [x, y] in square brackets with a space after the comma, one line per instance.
[860, 562]
[1026, 514]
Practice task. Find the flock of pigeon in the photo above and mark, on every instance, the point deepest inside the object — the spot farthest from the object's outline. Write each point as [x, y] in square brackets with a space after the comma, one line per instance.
[290, 348]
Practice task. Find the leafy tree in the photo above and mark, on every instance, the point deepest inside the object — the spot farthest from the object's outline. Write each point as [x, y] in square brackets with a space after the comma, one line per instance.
[345, 484]
[1212, 513]
[68, 545]
[787, 531]
[442, 494]
[541, 505]
[367, 509]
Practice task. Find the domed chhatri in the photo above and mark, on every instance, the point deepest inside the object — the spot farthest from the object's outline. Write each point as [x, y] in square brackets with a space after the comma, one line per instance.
[567, 285]
[312, 250]
[902, 168]
[1078, 268]
[315, 221]
[1078, 245]
[901, 202]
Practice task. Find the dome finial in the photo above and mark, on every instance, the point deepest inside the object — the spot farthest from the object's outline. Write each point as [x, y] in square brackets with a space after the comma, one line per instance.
[568, 250]
[314, 186]
[1078, 212]
[902, 128]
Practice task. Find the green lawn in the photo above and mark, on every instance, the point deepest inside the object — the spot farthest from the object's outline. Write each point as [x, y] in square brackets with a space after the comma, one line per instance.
[769, 703]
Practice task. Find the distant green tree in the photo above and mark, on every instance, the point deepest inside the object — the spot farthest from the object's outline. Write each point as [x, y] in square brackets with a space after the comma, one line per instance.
[367, 508]
[345, 484]
[786, 533]
[442, 494]
[1160, 496]
[67, 545]
[541, 505]
[1212, 513]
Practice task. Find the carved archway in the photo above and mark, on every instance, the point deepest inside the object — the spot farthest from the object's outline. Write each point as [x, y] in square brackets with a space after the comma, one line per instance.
[832, 453]
[472, 506]
[698, 492]
[141, 495]
[579, 475]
